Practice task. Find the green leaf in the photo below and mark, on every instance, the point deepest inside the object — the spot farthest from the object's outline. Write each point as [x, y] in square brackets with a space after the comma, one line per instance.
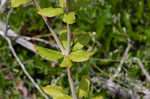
[64, 42]
[83, 38]
[69, 18]
[84, 86]
[62, 3]
[56, 92]
[98, 97]
[63, 37]
[91, 53]
[66, 62]
[79, 56]
[63, 31]
[16, 3]
[77, 46]
[48, 54]
[51, 12]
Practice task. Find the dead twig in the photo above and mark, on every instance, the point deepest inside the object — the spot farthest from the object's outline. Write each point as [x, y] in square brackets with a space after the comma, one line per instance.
[142, 68]
[23, 68]
[53, 82]
[40, 40]
[121, 62]
[17, 58]
[71, 83]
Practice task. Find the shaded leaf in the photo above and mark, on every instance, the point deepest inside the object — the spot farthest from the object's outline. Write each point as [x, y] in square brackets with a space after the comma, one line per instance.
[79, 56]
[66, 62]
[48, 54]
[84, 86]
[16, 3]
[83, 38]
[51, 12]
[63, 37]
[69, 18]
[56, 92]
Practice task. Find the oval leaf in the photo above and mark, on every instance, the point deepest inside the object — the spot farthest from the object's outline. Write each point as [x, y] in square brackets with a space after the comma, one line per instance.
[83, 38]
[62, 3]
[79, 56]
[84, 86]
[51, 12]
[16, 3]
[69, 18]
[77, 46]
[56, 92]
[66, 62]
[48, 54]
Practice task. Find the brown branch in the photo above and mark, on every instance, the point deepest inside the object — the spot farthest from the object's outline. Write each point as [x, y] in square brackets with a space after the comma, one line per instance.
[68, 38]
[71, 83]
[50, 29]
[68, 28]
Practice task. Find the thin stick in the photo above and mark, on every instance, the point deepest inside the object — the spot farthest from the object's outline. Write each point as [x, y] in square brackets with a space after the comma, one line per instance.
[24, 70]
[7, 21]
[142, 68]
[121, 62]
[40, 40]
[71, 83]
[50, 29]
[54, 81]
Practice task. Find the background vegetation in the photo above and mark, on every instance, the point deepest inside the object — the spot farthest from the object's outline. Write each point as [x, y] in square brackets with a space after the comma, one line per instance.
[107, 24]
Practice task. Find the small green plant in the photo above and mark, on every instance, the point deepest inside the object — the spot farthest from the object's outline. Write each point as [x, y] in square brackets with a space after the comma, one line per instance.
[71, 50]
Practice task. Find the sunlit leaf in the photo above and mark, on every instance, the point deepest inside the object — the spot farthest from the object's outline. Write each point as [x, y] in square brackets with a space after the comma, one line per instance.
[69, 18]
[64, 42]
[56, 92]
[91, 53]
[98, 97]
[16, 3]
[62, 3]
[66, 62]
[63, 31]
[79, 56]
[77, 46]
[48, 54]
[84, 86]
[51, 12]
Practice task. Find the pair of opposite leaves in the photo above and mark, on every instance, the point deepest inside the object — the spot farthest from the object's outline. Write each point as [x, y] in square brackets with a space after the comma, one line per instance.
[57, 92]
[68, 18]
[75, 56]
